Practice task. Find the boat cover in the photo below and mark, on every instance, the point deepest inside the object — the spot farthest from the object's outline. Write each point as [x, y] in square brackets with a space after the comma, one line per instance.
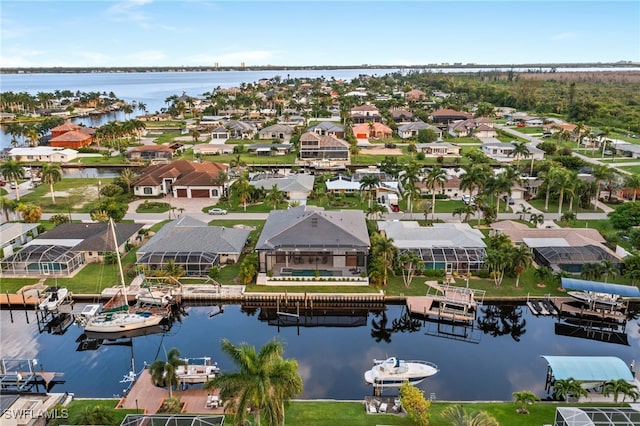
[589, 368]
[598, 287]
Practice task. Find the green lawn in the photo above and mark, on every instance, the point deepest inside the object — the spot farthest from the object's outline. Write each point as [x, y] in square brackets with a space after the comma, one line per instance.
[631, 169]
[100, 160]
[538, 203]
[80, 195]
[12, 285]
[153, 207]
[167, 137]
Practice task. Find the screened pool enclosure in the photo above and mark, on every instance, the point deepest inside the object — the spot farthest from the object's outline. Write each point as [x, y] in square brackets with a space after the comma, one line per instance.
[195, 263]
[43, 260]
[459, 259]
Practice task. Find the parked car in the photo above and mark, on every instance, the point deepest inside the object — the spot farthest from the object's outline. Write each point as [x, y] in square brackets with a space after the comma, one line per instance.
[12, 185]
[217, 210]
[508, 200]
[390, 145]
[395, 208]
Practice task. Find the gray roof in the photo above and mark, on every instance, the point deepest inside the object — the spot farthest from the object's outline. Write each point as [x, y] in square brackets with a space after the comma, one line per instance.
[290, 183]
[305, 226]
[416, 125]
[93, 236]
[187, 234]
[410, 235]
[12, 230]
[328, 126]
[277, 128]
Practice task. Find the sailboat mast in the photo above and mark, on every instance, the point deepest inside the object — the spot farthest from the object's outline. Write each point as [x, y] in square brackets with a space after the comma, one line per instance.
[115, 243]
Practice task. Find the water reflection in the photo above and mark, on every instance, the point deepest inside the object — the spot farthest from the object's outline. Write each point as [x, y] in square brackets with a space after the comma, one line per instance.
[502, 320]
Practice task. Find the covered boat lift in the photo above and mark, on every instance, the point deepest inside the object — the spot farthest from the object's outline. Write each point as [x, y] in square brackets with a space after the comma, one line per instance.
[600, 287]
[592, 371]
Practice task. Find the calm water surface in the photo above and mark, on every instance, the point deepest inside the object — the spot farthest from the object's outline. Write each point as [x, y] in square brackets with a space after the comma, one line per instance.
[474, 363]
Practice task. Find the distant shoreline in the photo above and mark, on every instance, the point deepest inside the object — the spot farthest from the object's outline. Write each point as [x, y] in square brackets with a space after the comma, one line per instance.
[133, 69]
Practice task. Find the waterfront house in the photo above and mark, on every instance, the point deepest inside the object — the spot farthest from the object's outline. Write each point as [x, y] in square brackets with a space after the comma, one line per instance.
[45, 154]
[182, 178]
[561, 249]
[311, 242]
[212, 149]
[372, 130]
[154, 153]
[269, 149]
[439, 149]
[476, 127]
[342, 185]
[73, 139]
[193, 245]
[412, 129]
[327, 128]
[276, 131]
[14, 235]
[444, 246]
[68, 247]
[327, 147]
[233, 129]
[296, 187]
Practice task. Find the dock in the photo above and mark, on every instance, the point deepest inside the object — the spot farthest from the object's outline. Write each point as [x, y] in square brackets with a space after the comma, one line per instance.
[20, 376]
[452, 303]
[567, 307]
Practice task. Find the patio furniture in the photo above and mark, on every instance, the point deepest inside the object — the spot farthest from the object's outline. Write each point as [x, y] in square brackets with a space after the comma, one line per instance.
[213, 401]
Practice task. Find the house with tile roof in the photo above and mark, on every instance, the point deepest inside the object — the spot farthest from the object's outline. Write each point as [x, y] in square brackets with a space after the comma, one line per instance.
[276, 131]
[233, 129]
[477, 127]
[73, 139]
[193, 245]
[561, 249]
[327, 147]
[365, 113]
[310, 242]
[66, 248]
[182, 178]
[412, 129]
[152, 153]
[401, 115]
[296, 186]
[372, 130]
[445, 246]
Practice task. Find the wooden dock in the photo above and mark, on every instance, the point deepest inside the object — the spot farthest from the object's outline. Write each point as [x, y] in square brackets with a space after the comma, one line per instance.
[431, 306]
[19, 300]
[566, 307]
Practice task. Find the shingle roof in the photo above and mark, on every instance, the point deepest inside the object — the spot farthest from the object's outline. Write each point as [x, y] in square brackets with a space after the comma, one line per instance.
[312, 227]
[94, 236]
[187, 234]
[290, 183]
[186, 172]
[325, 140]
[410, 235]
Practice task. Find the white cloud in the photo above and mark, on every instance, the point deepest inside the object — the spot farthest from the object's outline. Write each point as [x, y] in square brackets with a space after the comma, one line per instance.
[20, 57]
[564, 36]
[129, 10]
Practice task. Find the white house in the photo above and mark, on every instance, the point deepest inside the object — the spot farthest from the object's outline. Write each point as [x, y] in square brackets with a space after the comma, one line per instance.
[46, 154]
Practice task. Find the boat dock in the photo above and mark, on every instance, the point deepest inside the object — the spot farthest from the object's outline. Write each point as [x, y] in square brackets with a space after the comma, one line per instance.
[568, 307]
[20, 376]
[449, 303]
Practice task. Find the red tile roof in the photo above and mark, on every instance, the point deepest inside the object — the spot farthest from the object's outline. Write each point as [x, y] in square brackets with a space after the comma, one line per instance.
[72, 136]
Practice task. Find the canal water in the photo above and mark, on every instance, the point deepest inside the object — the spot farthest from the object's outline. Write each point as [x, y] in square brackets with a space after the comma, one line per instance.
[500, 354]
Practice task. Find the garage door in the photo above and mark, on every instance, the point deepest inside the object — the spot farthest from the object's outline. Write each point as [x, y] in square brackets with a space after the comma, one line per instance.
[199, 193]
[181, 193]
[362, 136]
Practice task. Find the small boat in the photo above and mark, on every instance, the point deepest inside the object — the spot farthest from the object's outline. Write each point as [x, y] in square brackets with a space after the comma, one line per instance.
[154, 296]
[53, 297]
[594, 299]
[197, 370]
[393, 372]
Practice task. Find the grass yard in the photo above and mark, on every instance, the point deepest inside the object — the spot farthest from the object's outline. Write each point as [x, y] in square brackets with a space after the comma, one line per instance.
[631, 169]
[100, 160]
[153, 207]
[13, 285]
[538, 204]
[74, 194]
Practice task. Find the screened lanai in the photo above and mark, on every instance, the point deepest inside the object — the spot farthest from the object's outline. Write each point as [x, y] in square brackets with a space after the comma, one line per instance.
[195, 263]
[38, 259]
[597, 416]
[571, 259]
[172, 420]
[458, 259]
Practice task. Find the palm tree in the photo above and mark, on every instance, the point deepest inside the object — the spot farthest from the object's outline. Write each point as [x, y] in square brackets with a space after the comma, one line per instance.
[592, 271]
[242, 188]
[275, 196]
[563, 180]
[473, 178]
[602, 174]
[384, 248]
[435, 176]
[51, 173]
[264, 382]
[409, 180]
[524, 398]
[172, 271]
[633, 182]
[163, 373]
[368, 184]
[608, 268]
[96, 415]
[621, 386]
[519, 150]
[566, 388]
[536, 218]
[499, 185]
[128, 176]
[13, 171]
[521, 259]
[524, 211]
[457, 416]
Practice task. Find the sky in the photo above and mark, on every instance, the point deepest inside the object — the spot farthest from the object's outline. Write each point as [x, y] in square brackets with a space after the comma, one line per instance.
[103, 33]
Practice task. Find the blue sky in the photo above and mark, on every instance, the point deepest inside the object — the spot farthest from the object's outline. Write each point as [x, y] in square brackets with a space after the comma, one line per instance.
[194, 32]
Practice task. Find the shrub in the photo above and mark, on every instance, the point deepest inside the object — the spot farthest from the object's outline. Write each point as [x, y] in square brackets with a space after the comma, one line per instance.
[483, 273]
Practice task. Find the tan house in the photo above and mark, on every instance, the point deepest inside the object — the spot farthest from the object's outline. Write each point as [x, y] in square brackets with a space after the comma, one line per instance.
[372, 130]
[182, 179]
[439, 149]
[327, 147]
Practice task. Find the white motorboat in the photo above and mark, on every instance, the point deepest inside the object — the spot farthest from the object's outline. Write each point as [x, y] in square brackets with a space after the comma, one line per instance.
[53, 297]
[154, 296]
[394, 372]
[199, 371]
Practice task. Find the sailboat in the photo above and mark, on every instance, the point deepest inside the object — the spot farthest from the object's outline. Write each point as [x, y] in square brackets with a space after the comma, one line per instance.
[116, 315]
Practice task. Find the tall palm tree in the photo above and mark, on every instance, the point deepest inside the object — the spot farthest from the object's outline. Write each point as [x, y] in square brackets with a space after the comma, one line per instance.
[163, 373]
[384, 248]
[264, 382]
[466, 209]
[12, 171]
[563, 181]
[51, 173]
[633, 182]
[521, 259]
[275, 196]
[368, 184]
[498, 185]
[242, 188]
[409, 180]
[128, 176]
[474, 178]
[608, 268]
[520, 150]
[602, 174]
[435, 176]
[592, 271]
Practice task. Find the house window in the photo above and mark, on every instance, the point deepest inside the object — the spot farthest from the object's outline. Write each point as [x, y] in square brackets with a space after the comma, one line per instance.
[147, 190]
[214, 192]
